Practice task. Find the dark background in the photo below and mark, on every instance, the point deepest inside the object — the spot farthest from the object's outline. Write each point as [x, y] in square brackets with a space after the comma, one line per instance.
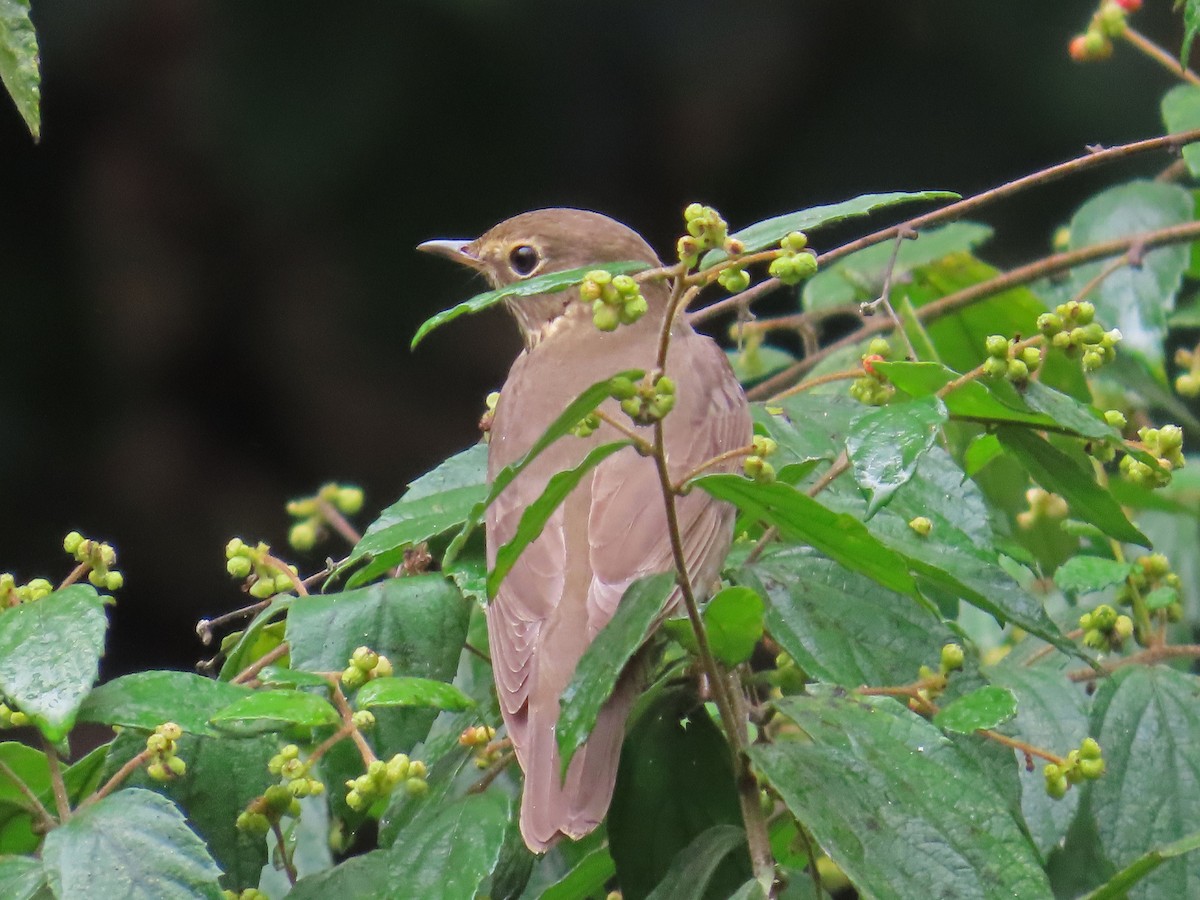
[207, 281]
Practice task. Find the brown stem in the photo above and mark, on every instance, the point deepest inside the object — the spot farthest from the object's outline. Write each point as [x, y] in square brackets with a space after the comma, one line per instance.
[1050, 648]
[471, 648]
[840, 465]
[338, 522]
[828, 378]
[492, 773]
[252, 670]
[1027, 749]
[1146, 657]
[75, 574]
[118, 778]
[277, 563]
[288, 866]
[678, 487]
[640, 443]
[61, 803]
[204, 628]
[1159, 55]
[45, 821]
[347, 714]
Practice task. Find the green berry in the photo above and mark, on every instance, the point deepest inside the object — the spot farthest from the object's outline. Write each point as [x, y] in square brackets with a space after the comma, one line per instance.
[1089, 749]
[1061, 340]
[621, 388]
[239, 567]
[997, 345]
[416, 787]
[1091, 769]
[1092, 360]
[176, 765]
[734, 280]
[349, 500]
[604, 317]
[921, 525]
[354, 677]
[158, 772]
[794, 241]
[302, 536]
[879, 347]
[1017, 371]
[764, 446]
[72, 541]
[1032, 357]
[1049, 324]
[994, 367]
[632, 310]
[1115, 418]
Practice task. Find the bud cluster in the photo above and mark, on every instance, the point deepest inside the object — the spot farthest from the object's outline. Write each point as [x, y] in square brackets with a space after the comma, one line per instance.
[13, 594]
[242, 561]
[304, 534]
[1104, 629]
[381, 777]
[294, 771]
[795, 262]
[164, 765]
[1043, 505]
[1153, 573]
[1073, 329]
[1108, 22]
[934, 683]
[479, 738]
[365, 665]
[100, 558]
[647, 401]
[1084, 764]
[755, 465]
[267, 810]
[616, 299]
[873, 389]
[1005, 361]
[1166, 445]
[706, 230]
[1188, 383]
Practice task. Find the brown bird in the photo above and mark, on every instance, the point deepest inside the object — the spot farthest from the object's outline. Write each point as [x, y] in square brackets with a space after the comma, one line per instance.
[612, 528]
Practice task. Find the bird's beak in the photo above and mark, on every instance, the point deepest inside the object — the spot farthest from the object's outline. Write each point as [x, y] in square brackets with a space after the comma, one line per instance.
[457, 250]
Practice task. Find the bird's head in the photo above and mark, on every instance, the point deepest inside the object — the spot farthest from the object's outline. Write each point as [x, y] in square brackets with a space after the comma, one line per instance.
[544, 241]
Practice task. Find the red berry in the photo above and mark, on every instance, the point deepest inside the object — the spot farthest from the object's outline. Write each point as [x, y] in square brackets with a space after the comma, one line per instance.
[1129, 5]
[1078, 48]
[868, 363]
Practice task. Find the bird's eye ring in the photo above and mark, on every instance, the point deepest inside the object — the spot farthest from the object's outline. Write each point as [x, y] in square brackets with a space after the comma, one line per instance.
[523, 259]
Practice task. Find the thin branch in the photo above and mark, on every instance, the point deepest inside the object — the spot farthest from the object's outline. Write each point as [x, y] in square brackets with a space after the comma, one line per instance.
[204, 628]
[61, 803]
[131, 765]
[492, 773]
[640, 443]
[827, 378]
[1159, 55]
[288, 867]
[251, 671]
[338, 522]
[75, 574]
[709, 463]
[1146, 657]
[40, 813]
[884, 298]
[1027, 749]
[283, 567]
[347, 714]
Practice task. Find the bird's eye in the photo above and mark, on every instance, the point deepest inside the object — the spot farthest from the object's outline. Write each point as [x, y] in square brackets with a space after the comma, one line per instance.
[523, 259]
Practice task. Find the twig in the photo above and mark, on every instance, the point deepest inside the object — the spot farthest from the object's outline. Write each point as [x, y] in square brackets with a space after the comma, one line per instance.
[252, 670]
[131, 766]
[1147, 657]
[884, 298]
[640, 443]
[204, 628]
[338, 522]
[1027, 749]
[828, 378]
[840, 465]
[75, 574]
[1159, 55]
[471, 648]
[40, 813]
[61, 803]
[279, 564]
[347, 714]
[678, 487]
[492, 773]
[288, 867]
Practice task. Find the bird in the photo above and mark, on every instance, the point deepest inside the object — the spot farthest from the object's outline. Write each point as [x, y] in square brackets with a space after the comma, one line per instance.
[612, 528]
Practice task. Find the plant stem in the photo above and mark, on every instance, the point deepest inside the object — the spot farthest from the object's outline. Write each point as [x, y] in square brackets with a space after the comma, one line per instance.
[338, 522]
[75, 574]
[248, 673]
[283, 567]
[61, 803]
[1159, 55]
[1149, 656]
[1027, 749]
[131, 766]
[709, 463]
[40, 813]
[288, 866]
[828, 378]
[347, 714]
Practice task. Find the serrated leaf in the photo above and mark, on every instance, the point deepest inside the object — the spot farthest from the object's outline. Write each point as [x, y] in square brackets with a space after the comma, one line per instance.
[1058, 473]
[689, 874]
[275, 710]
[806, 426]
[1085, 574]
[1135, 299]
[872, 781]
[551, 283]
[985, 707]
[132, 844]
[19, 63]
[411, 692]
[885, 445]
[603, 661]
[444, 855]
[1147, 722]
[50, 656]
[839, 626]
[770, 231]
[538, 513]
[567, 420]
[840, 537]
[249, 644]
[438, 501]
[860, 275]
[147, 699]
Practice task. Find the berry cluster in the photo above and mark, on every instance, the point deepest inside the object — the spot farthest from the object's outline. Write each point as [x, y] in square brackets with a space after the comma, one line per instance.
[479, 738]
[1109, 22]
[1004, 360]
[934, 683]
[365, 665]
[294, 771]
[734, 278]
[755, 465]
[164, 765]
[1073, 329]
[1104, 629]
[310, 511]
[645, 402]
[244, 561]
[13, 594]
[616, 299]
[706, 230]
[1084, 764]
[269, 809]
[11, 718]
[794, 263]
[1166, 445]
[1043, 506]
[1152, 577]
[873, 389]
[100, 558]
[381, 777]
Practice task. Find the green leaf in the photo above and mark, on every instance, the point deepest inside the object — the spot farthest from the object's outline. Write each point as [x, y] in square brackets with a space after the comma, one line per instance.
[982, 450]
[860, 275]
[132, 844]
[50, 656]
[1148, 724]
[839, 626]
[807, 427]
[147, 699]
[419, 623]
[689, 874]
[674, 782]
[445, 855]
[873, 782]
[19, 64]
[973, 401]
[551, 283]
[1068, 412]
[436, 502]
[275, 710]
[283, 677]
[411, 692]
[1058, 473]
[585, 880]
[1136, 299]
[256, 640]
[1181, 112]
[733, 620]
[1161, 598]
[1086, 574]
[985, 707]
[770, 231]
[1117, 887]
[568, 419]
[840, 537]
[605, 658]
[753, 363]
[1191, 25]
[885, 445]
[538, 513]
[22, 878]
